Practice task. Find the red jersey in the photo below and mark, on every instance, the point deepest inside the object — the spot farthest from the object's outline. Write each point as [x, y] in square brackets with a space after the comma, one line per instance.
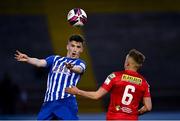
[127, 90]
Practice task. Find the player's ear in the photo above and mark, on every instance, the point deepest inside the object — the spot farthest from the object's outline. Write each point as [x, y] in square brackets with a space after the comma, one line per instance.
[67, 46]
[82, 49]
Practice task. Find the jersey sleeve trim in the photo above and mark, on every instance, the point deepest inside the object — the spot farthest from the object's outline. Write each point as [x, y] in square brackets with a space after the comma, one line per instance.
[105, 87]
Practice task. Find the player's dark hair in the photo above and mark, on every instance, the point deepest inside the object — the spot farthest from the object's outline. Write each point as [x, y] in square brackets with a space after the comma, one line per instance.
[77, 38]
[138, 57]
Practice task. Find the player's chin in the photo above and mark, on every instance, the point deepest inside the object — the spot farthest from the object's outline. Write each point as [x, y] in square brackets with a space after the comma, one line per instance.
[74, 56]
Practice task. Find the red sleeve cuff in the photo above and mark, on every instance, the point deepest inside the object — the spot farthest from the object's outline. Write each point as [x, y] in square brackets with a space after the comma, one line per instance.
[105, 87]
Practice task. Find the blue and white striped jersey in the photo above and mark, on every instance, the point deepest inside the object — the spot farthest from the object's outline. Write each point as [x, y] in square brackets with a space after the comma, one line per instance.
[60, 77]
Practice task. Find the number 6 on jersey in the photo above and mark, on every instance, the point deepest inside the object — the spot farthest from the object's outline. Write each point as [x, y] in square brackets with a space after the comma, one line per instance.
[128, 95]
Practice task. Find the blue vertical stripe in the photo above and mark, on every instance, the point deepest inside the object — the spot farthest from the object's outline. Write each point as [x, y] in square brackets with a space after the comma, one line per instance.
[60, 77]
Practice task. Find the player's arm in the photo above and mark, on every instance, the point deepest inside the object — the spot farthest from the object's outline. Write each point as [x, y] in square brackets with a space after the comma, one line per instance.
[146, 107]
[34, 61]
[74, 68]
[88, 94]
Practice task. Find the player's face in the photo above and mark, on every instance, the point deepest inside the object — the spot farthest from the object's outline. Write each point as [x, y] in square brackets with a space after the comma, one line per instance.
[74, 49]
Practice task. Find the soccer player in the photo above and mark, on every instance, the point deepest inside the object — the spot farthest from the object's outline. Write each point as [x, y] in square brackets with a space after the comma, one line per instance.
[63, 72]
[127, 88]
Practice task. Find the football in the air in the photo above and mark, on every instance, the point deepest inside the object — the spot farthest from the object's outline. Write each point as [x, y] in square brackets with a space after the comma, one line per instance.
[77, 17]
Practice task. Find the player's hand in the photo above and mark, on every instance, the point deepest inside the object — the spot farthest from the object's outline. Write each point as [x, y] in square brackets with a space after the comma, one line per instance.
[20, 56]
[72, 90]
[69, 65]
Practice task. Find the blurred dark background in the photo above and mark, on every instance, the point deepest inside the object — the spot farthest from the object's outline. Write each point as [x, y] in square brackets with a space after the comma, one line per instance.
[39, 28]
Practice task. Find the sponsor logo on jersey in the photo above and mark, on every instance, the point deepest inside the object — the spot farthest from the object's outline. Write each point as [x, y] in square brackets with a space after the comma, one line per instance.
[61, 69]
[131, 79]
[123, 109]
[126, 110]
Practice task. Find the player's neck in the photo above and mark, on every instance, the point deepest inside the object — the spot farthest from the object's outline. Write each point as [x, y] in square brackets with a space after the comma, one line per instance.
[130, 68]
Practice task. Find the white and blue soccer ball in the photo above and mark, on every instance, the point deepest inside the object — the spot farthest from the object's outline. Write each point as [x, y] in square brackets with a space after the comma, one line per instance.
[77, 17]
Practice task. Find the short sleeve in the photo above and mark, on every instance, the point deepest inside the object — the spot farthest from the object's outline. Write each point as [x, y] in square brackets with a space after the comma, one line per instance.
[108, 83]
[82, 64]
[50, 60]
[147, 90]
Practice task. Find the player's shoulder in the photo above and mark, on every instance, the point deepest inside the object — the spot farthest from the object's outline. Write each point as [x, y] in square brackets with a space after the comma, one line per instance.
[80, 61]
[116, 74]
[141, 76]
[57, 57]
[143, 79]
[54, 58]
[119, 73]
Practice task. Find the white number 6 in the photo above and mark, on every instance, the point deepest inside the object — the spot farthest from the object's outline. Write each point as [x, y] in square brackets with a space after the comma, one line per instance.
[126, 95]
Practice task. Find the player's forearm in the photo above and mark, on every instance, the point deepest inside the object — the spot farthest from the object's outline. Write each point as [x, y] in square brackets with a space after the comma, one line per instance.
[143, 110]
[147, 105]
[76, 69]
[36, 62]
[91, 95]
